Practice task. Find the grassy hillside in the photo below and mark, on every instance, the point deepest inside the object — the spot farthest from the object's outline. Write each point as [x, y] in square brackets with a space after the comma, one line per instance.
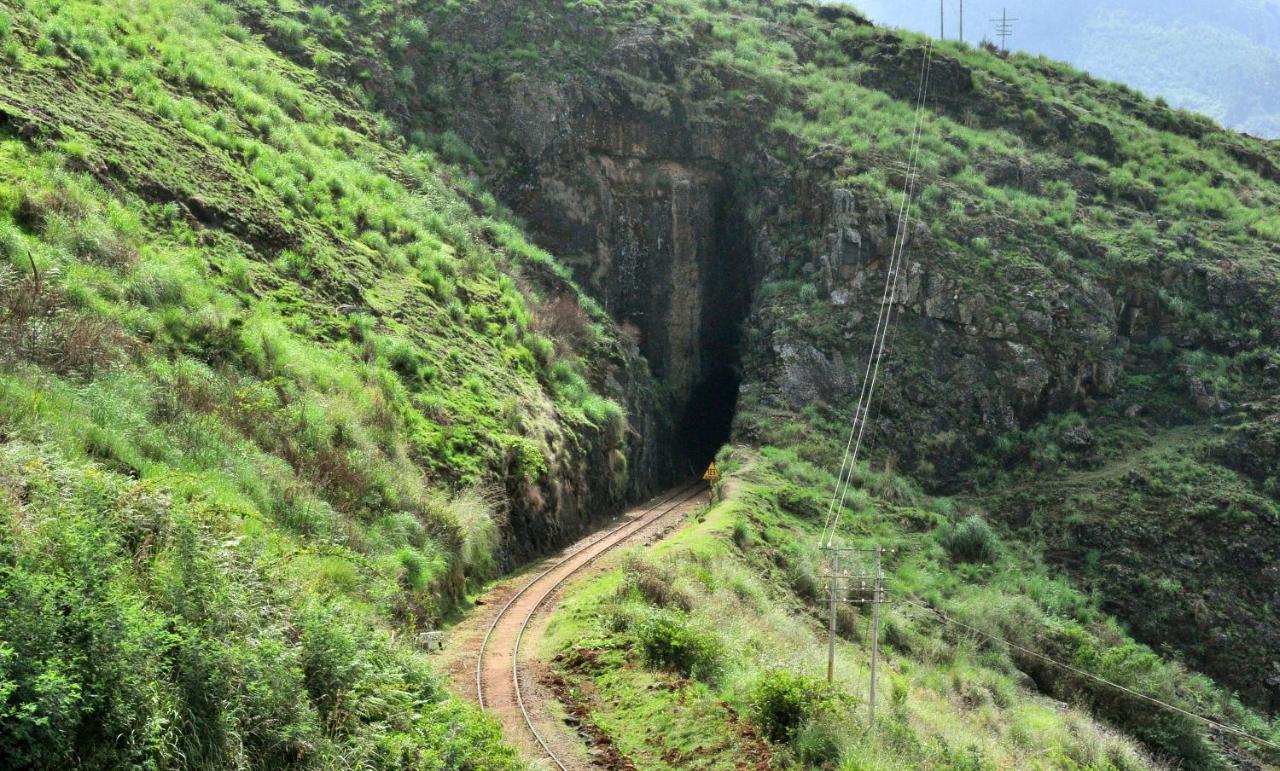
[273, 379]
[281, 379]
[710, 652]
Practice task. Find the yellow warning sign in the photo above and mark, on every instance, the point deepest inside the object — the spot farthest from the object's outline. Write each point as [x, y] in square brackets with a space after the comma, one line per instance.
[712, 474]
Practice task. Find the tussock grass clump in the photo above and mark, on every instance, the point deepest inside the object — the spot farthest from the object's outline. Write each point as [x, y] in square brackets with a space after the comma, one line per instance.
[653, 584]
[972, 540]
[804, 583]
[820, 742]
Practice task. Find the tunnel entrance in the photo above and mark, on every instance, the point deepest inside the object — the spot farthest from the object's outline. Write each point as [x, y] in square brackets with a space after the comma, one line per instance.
[726, 281]
[708, 418]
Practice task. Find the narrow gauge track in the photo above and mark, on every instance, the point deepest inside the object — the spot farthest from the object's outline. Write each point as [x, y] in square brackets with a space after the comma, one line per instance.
[519, 610]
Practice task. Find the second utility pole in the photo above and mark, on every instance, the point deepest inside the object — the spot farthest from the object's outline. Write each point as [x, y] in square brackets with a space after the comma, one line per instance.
[831, 636]
[876, 588]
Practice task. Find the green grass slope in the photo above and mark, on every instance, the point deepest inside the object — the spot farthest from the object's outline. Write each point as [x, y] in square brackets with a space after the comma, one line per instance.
[271, 380]
[278, 376]
[710, 652]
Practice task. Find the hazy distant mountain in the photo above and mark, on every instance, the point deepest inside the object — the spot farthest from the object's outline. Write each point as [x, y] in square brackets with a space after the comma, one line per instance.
[1219, 57]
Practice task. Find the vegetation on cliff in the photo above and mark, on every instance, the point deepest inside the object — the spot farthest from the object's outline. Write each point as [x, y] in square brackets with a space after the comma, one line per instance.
[282, 379]
[1219, 59]
[271, 378]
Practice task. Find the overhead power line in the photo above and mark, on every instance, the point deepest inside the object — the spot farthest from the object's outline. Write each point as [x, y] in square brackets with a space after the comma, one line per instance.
[879, 338]
[849, 461]
[1230, 729]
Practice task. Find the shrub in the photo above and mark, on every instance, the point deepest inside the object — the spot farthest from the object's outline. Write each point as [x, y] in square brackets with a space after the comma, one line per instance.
[562, 318]
[783, 702]
[332, 661]
[972, 540]
[667, 638]
[37, 325]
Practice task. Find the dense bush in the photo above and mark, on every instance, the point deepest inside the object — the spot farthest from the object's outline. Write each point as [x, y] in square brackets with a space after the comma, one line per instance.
[669, 639]
[783, 702]
[971, 540]
[131, 636]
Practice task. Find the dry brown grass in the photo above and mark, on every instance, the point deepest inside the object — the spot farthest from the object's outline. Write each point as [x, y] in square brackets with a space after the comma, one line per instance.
[563, 320]
[37, 325]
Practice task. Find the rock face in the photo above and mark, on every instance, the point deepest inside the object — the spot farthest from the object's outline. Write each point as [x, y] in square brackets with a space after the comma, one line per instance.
[647, 201]
[676, 203]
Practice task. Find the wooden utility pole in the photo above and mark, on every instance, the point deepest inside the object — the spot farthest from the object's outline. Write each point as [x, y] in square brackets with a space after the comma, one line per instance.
[942, 19]
[831, 631]
[961, 21]
[856, 589]
[877, 589]
[1004, 28]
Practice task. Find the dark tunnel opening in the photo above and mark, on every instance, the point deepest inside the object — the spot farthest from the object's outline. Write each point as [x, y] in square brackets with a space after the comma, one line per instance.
[706, 422]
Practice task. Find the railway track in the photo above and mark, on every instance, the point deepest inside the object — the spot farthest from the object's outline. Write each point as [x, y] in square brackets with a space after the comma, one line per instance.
[498, 665]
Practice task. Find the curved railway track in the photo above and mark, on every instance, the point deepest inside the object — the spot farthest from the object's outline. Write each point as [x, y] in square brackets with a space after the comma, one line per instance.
[497, 681]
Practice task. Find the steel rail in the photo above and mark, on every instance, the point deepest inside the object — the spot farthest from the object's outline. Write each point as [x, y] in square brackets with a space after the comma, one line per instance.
[639, 522]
